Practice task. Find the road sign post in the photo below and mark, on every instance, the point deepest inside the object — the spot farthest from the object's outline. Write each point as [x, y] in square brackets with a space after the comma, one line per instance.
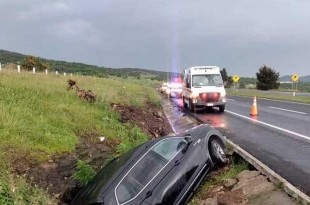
[295, 79]
[235, 79]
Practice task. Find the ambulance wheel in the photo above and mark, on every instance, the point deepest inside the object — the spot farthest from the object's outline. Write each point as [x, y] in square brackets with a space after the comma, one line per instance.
[222, 108]
[191, 106]
[184, 104]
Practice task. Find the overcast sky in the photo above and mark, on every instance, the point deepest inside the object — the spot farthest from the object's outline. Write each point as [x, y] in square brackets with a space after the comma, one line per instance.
[168, 35]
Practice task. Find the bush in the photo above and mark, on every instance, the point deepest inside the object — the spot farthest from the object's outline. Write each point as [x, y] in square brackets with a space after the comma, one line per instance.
[267, 78]
[84, 172]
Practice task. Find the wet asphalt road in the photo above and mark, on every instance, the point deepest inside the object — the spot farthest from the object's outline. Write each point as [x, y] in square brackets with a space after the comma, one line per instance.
[279, 136]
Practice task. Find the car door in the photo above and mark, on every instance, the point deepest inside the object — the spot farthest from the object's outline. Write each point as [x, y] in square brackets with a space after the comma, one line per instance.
[138, 183]
[188, 167]
[191, 167]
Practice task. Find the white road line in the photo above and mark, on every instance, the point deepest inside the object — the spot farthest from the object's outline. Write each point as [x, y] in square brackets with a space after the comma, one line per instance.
[231, 100]
[269, 125]
[277, 108]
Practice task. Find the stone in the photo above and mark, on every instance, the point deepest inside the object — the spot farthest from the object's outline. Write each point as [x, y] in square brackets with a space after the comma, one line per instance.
[253, 187]
[247, 174]
[273, 198]
[229, 182]
[216, 189]
[232, 198]
[211, 201]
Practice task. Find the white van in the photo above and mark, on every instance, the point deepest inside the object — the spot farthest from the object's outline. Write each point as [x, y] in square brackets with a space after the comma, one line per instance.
[203, 86]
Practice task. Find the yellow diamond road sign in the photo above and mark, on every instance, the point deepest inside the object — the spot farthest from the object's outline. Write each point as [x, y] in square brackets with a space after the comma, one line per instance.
[236, 78]
[295, 77]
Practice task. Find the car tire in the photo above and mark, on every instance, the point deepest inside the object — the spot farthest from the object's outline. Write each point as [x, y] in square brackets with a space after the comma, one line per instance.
[191, 106]
[216, 149]
[184, 104]
[222, 108]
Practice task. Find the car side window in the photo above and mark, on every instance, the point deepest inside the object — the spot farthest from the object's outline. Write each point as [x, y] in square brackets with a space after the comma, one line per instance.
[169, 148]
[147, 168]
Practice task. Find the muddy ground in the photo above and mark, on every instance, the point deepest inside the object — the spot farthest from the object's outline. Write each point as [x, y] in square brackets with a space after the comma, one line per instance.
[55, 175]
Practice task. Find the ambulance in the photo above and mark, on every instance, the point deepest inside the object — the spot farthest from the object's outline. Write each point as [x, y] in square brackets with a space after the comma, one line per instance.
[203, 87]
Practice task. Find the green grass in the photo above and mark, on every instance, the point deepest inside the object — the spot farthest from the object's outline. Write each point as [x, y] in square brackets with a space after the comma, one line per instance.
[15, 189]
[40, 118]
[84, 172]
[217, 180]
[277, 96]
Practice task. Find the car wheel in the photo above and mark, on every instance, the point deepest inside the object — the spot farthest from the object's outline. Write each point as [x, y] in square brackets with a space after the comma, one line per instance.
[184, 104]
[222, 108]
[191, 106]
[217, 152]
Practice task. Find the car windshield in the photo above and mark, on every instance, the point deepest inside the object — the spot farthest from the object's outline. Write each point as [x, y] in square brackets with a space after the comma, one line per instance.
[146, 169]
[207, 80]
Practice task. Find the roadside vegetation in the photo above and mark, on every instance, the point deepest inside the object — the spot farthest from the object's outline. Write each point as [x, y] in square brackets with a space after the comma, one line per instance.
[40, 118]
[15, 190]
[217, 178]
[269, 95]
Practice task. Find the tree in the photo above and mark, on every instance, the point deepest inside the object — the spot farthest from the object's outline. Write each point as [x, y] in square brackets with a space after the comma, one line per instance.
[267, 78]
[31, 61]
[242, 84]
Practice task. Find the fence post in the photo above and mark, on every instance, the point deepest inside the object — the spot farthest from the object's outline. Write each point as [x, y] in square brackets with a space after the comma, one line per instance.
[56, 72]
[71, 74]
[46, 72]
[65, 74]
[18, 68]
[0, 67]
[33, 70]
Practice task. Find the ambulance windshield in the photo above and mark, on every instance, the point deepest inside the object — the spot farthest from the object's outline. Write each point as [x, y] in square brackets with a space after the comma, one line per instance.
[207, 80]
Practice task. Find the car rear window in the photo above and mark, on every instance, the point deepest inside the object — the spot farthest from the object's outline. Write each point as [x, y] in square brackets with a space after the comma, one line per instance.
[146, 169]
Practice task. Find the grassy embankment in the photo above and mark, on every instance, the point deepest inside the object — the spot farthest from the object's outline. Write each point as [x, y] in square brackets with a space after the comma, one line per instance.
[39, 118]
[270, 95]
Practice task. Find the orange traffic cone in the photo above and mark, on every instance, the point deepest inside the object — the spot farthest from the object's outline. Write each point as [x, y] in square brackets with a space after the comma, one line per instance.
[254, 108]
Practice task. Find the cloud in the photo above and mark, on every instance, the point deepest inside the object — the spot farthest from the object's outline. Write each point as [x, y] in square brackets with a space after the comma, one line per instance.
[159, 34]
[43, 9]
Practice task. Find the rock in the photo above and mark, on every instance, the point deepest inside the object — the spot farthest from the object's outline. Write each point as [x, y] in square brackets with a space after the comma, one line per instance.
[216, 189]
[211, 201]
[273, 198]
[247, 174]
[158, 114]
[253, 187]
[232, 198]
[201, 202]
[229, 182]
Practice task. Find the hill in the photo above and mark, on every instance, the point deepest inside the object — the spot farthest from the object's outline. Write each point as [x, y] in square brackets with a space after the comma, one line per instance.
[7, 57]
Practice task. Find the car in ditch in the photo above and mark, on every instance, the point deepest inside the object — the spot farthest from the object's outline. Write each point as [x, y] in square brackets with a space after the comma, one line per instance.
[164, 171]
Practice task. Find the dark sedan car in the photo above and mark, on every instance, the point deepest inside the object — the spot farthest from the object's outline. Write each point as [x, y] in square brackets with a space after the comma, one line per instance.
[164, 171]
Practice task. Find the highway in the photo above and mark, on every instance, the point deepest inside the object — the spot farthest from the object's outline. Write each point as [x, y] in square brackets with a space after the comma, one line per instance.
[279, 136]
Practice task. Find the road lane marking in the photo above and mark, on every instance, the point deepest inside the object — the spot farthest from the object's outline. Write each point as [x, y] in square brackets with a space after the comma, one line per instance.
[277, 108]
[231, 100]
[269, 125]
